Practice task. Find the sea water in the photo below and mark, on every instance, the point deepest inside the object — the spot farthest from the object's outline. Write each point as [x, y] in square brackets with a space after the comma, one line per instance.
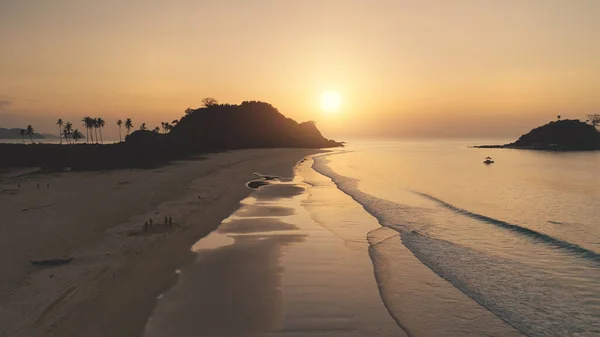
[520, 237]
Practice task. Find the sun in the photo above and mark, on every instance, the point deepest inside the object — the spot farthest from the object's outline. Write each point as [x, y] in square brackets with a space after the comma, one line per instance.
[331, 101]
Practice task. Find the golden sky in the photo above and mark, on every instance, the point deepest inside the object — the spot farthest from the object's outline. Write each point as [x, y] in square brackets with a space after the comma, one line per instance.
[402, 68]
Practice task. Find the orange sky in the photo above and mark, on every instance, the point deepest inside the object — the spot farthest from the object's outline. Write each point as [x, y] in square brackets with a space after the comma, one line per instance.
[403, 68]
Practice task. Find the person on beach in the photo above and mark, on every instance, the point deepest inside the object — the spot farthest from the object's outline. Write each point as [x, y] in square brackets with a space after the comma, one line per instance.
[146, 226]
[151, 222]
[166, 221]
[170, 222]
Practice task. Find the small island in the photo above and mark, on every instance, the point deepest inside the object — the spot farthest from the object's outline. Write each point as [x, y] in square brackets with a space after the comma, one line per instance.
[560, 135]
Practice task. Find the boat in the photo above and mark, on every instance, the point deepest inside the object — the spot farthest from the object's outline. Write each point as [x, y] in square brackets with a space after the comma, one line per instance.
[488, 160]
[51, 262]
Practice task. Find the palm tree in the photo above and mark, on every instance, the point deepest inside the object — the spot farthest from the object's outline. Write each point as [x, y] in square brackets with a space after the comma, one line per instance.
[77, 135]
[558, 117]
[143, 126]
[128, 125]
[84, 124]
[60, 125]
[30, 132]
[120, 123]
[95, 126]
[88, 123]
[101, 122]
[66, 135]
[68, 131]
[156, 130]
[23, 132]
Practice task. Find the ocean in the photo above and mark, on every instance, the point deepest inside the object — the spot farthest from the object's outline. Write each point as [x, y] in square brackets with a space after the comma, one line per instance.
[520, 237]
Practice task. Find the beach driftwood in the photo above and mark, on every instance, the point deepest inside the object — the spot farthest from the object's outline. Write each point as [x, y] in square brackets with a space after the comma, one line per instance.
[51, 262]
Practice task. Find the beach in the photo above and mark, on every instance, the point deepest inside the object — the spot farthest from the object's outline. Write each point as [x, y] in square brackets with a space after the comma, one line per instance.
[97, 218]
[371, 240]
[302, 258]
[271, 269]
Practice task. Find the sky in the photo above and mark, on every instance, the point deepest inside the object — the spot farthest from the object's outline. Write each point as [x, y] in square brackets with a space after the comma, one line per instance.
[443, 68]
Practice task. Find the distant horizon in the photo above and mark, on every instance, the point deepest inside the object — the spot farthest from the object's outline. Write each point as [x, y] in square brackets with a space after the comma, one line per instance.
[479, 130]
[483, 130]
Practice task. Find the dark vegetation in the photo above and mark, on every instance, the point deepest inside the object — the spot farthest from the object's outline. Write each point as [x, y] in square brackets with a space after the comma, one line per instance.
[212, 128]
[560, 135]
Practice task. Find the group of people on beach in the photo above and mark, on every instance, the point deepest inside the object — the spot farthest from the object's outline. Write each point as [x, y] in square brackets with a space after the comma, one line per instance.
[148, 224]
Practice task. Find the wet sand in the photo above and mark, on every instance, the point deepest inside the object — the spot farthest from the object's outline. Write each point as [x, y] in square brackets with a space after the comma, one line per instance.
[270, 270]
[118, 270]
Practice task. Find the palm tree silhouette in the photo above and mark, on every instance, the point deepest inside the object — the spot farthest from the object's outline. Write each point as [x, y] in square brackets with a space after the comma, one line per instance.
[23, 132]
[156, 130]
[30, 132]
[143, 126]
[95, 126]
[120, 123]
[77, 135]
[60, 125]
[88, 123]
[101, 122]
[66, 135]
[84, 124]
[128, 125]
[68, 131]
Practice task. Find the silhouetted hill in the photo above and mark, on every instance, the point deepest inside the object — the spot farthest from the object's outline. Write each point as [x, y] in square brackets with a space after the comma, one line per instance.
[15, 134]
[565, 135]
[248, 125]
[210, 129]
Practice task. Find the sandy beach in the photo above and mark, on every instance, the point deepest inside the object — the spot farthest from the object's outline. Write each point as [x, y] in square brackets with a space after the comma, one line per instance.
[118, 269]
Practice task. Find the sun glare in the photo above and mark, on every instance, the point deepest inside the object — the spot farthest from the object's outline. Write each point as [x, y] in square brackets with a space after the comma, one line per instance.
[331, 101]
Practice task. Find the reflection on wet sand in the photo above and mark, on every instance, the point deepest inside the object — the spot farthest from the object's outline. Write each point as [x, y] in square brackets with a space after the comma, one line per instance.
[269, 269]
[265, 211]
[276, 192]
[229, 291]
[255, 226]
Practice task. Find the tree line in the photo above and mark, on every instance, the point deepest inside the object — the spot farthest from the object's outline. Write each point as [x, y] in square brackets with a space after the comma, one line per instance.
[93, 130]
[94, 126]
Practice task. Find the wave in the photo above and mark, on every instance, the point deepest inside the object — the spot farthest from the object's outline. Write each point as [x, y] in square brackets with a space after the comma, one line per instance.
[518, 229]
[536, 301]
[388, 213]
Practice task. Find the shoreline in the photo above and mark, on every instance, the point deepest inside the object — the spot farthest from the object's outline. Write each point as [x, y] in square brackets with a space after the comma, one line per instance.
[111, 286]
[272, 269]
